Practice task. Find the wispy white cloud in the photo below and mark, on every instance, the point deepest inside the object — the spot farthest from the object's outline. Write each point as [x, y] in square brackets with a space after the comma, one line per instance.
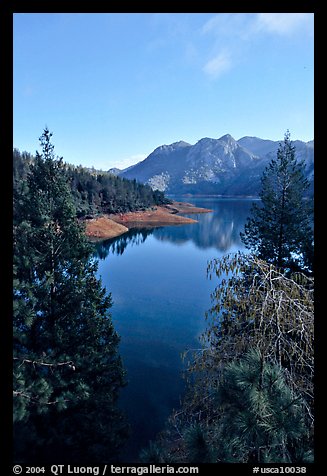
[227, 31]
[246, 25]
[230, 25]
[235, 34]
[219, 64]
[284, 23]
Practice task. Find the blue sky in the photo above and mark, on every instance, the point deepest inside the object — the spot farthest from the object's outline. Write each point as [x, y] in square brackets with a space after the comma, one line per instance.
[114, 86]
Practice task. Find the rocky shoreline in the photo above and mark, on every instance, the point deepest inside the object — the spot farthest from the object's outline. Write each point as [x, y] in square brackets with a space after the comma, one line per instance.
[113, 225]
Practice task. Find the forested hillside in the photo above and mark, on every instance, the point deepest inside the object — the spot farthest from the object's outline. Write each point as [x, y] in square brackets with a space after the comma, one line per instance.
[95, 191]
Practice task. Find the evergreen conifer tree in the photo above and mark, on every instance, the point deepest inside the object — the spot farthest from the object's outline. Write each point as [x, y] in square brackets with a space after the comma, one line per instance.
[262, 419]
[198, 448]
[280, 229]
[67, 370]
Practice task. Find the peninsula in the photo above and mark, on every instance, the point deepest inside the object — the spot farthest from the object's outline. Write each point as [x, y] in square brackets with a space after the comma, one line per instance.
[112, 225]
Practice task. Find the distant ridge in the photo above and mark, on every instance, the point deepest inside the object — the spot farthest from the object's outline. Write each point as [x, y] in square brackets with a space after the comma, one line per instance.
[221, 166]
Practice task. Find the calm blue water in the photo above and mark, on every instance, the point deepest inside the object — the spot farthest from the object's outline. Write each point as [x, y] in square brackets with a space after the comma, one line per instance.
[160, 293]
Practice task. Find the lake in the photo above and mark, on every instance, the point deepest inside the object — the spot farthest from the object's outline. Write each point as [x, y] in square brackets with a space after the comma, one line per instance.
[160, 291]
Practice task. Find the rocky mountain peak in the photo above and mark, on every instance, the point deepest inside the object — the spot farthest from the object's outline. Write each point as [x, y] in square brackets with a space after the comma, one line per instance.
[213, 166]
[166, 148]
[227, 138]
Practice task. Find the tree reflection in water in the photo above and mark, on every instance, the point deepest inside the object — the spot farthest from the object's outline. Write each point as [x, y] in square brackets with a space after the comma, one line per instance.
[219, 229]
[118, 245]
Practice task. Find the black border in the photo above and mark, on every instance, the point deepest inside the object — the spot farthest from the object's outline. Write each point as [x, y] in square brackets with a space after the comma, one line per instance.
[7, 9]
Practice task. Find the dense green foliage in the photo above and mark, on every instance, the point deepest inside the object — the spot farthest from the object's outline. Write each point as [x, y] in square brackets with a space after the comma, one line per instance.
[263, 419]
[67, 370]
[250, 393]
[280, 228]
[96, 192]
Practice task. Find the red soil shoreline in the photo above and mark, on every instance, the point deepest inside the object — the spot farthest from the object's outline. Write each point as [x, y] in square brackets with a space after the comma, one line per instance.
[110, 226]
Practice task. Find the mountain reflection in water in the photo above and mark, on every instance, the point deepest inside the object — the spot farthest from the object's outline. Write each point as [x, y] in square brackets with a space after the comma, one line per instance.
[219, 229]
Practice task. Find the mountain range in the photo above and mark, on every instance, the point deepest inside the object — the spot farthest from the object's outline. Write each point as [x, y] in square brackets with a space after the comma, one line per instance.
[221, 166]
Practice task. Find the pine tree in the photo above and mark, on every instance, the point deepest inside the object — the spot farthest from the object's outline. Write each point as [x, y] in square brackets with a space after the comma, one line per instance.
[280, 229]
[67, 370]
[262, 420]
[254, 304]
[198, 447]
